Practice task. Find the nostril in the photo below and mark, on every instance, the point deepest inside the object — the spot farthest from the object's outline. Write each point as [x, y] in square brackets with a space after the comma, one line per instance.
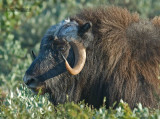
[29, 81]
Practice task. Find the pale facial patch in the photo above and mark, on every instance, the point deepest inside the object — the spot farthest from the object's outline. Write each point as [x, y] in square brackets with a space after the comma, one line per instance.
[66, 28]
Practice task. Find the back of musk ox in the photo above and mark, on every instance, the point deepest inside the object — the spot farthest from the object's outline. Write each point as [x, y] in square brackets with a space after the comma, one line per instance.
[103, 52]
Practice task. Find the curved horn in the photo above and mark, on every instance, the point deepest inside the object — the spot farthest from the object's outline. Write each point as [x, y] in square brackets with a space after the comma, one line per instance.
[80, 58]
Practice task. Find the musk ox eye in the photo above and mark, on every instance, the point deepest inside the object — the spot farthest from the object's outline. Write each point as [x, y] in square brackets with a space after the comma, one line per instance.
[61, 48]
[50, 37]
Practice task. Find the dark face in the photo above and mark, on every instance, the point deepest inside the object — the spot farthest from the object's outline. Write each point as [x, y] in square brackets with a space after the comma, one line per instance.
[60, 50]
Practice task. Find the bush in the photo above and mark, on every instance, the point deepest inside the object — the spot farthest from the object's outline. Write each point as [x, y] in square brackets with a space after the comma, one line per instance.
[21, 103]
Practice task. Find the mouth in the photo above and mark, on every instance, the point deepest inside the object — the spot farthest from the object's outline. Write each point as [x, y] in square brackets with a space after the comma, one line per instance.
[40, 89]
[34, 84]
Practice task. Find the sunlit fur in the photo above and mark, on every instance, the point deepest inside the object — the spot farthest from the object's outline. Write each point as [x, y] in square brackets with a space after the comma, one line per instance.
[123, 60]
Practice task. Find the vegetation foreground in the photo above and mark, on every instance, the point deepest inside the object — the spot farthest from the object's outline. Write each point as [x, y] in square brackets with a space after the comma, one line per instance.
[22, 104]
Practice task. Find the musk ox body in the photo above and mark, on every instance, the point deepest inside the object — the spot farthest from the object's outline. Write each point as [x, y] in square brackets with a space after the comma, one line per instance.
[103, 52]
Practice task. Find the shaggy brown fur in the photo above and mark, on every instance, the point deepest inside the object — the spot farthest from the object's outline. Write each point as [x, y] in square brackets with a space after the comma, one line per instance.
[122, 62]
[130, 49]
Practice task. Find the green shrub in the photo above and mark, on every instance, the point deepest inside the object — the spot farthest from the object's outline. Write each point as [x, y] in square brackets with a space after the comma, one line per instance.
[21, 103]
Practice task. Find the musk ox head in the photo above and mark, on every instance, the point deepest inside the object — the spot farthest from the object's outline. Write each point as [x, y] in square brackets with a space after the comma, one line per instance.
[61, 49]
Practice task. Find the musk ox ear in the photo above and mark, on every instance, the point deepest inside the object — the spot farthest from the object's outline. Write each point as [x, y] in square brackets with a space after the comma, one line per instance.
[84, 28]
[33, 55]
[156, 21]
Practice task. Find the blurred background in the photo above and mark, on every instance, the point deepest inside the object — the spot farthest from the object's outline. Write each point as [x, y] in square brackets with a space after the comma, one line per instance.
[22, 25]
[24, 22]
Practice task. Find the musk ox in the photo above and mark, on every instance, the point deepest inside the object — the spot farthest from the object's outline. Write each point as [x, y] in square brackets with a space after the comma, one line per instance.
[102, 52]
